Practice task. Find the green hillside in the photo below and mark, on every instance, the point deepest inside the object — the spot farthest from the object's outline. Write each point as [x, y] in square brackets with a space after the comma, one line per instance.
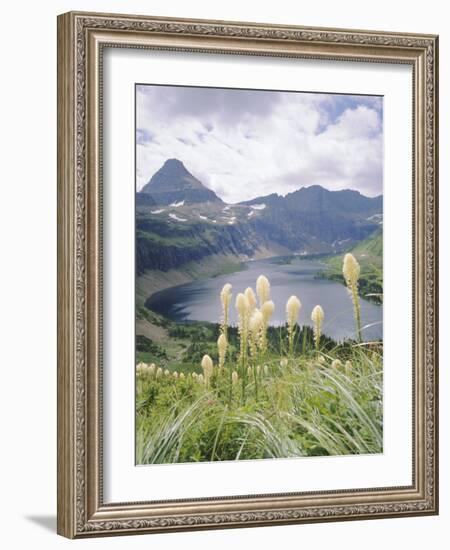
[370, 249]
[369, 254]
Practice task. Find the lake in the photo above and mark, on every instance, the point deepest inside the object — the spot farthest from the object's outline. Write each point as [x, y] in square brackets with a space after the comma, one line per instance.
[200, 301]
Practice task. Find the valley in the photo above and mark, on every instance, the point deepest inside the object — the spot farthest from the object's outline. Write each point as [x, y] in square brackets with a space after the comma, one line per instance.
[186, 234]
[190, 246]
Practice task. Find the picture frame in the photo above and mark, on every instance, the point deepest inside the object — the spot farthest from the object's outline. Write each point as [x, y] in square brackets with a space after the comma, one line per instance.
[82, 40]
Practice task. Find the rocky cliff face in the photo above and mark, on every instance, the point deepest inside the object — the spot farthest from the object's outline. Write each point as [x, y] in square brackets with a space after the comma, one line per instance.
[167, 246]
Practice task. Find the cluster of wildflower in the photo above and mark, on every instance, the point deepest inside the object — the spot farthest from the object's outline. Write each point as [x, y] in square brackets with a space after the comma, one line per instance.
[254, 312]
[145, 369]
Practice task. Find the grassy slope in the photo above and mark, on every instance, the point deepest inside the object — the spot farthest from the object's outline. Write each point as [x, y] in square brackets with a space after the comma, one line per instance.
[369, 254]
[307, 407]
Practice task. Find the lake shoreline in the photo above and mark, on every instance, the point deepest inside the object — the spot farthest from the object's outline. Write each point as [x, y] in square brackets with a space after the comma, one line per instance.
[199, 300]
[154, 281]
[366, 285]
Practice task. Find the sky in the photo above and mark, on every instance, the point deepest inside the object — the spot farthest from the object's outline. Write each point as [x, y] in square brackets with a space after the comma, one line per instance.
[248, 143]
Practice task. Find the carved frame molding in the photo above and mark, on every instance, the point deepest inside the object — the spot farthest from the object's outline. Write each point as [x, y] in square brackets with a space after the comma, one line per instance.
[81, 37]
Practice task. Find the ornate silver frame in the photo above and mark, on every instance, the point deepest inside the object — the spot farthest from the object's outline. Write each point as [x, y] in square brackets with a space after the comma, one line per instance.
[81, 37]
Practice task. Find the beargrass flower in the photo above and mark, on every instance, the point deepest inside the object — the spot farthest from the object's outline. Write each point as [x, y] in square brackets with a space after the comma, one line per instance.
[243, 309]
[262, 289]
[267, 310]
[242, 305]
[255, 327]
[225, 295]
[208, 367]
[234, 377]
[293, 306]
[140, 367]
[250, 295]
[350, 269]
[351, 272]
[222, 348]
[256, 321]
[225, 298]
[317, 317]
[348, 368]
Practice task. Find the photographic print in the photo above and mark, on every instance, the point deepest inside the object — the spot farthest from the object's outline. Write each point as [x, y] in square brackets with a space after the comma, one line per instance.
[259, 274]
[247, 274]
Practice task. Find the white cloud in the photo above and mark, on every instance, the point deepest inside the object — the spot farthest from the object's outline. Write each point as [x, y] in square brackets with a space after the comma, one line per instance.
[243, 144]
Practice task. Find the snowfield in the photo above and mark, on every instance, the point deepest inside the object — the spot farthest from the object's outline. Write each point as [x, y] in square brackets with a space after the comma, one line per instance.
[177, 218]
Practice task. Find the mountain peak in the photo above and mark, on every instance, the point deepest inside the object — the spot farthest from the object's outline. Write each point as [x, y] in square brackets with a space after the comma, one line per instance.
[174, 163]
[174, 168]
[173, 182]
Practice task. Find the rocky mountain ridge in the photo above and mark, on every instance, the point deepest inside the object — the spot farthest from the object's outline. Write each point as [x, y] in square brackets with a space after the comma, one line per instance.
[180, 220]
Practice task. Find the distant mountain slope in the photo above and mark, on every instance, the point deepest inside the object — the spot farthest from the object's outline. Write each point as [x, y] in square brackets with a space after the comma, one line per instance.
[173, 183]
[318, 200]
[145, 199]
[314, 213]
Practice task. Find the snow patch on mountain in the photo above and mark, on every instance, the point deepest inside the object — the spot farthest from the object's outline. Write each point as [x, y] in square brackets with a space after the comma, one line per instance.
[177, 218]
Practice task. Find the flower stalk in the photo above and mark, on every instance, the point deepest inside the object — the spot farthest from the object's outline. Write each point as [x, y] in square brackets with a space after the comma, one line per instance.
[225, 298]
[351, 272]
[293, 306]
[243, 310]
[267, 310]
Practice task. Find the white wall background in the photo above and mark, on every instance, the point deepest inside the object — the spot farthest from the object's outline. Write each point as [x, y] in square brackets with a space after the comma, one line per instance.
[28, 272]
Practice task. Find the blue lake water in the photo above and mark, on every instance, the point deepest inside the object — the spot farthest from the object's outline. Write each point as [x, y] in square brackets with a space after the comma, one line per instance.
[200, 301]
